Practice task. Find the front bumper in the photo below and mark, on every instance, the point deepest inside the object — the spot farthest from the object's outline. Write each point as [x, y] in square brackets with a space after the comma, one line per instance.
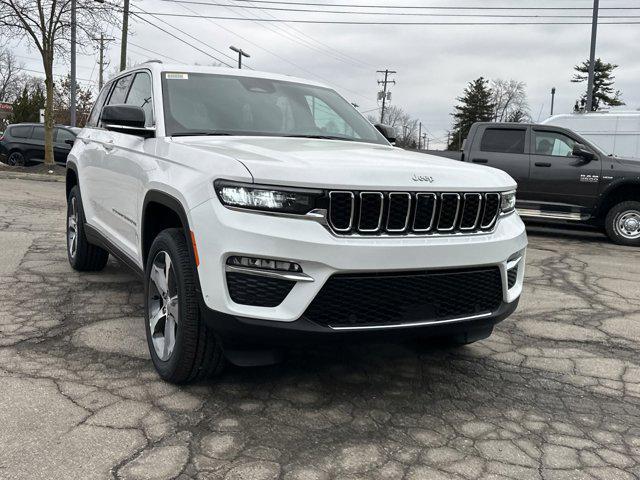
[220, 233]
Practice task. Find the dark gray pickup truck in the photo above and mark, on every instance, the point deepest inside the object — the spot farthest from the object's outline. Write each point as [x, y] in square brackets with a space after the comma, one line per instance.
[561, 176]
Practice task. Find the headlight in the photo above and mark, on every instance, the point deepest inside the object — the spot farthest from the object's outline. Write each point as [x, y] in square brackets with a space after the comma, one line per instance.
[266, 198]
[508, 203]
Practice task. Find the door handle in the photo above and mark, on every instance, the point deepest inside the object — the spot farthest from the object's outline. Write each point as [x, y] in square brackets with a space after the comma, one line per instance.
[480, 160]
[542, 164]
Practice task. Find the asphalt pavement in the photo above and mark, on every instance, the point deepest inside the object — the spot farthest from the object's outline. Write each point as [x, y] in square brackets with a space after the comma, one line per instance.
[553, 394]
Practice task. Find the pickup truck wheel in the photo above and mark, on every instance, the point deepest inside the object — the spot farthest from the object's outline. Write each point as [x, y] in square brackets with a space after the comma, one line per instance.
[82, 255]
[623, 223]
[182, 348]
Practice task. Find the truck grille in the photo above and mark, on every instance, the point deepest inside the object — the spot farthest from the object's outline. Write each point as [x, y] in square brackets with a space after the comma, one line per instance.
[403, 213]
[353, 300]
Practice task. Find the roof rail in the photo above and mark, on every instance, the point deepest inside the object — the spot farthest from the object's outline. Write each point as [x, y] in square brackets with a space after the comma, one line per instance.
[153, 60]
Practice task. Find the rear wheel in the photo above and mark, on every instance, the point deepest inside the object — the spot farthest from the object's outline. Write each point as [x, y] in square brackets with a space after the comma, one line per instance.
[623, 223]
[182, 348]
[83, 256]
[16, 159]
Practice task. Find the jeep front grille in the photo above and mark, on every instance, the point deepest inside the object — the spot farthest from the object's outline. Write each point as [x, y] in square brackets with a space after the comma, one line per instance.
[404, 213]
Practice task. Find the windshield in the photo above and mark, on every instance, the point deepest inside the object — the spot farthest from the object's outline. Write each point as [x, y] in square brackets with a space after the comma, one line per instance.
[209, 104]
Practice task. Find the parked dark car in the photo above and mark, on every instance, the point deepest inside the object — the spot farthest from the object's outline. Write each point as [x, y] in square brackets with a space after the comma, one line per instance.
[23, 143]
[561, 176]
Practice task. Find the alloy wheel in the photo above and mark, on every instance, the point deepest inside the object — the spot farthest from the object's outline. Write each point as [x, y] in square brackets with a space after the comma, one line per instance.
[72, 228]
[15, 159]
[627, 224]
[163, 306]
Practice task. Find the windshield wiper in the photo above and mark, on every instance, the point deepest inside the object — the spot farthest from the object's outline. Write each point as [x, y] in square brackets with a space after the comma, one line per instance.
[322, 137]
[197, 133]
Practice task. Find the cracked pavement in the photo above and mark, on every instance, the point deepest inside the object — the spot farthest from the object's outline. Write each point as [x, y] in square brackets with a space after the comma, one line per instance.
[553, 394]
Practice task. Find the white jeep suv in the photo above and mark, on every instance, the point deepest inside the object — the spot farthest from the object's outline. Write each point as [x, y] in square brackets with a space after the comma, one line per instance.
[263, 210]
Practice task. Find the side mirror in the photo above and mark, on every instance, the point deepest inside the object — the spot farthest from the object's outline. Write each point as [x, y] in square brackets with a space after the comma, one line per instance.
[387, 132]
[70, 142]
[128, 119]
[579, 150]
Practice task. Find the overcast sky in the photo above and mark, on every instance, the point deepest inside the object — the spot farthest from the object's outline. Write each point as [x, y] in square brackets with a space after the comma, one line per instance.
[434, 62]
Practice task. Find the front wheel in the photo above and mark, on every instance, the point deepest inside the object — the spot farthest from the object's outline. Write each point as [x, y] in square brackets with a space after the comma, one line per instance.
[16, 159]
[623, 223]
[182, 348]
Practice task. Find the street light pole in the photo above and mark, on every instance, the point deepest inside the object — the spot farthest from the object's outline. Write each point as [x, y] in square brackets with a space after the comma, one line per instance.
[592, 55]
[241, 53]
[553, 96]
[72, 87]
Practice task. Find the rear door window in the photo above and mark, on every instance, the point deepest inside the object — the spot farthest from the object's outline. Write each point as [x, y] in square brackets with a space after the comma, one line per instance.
[38, 133]
[63, 135]
[21, 131]
[120, 91]
[503, 140]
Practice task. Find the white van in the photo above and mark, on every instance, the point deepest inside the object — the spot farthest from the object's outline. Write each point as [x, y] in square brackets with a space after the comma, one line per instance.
[616, 132]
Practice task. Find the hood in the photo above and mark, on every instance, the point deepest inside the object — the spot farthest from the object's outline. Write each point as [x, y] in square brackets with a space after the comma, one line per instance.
[628, 162]
[349, 165]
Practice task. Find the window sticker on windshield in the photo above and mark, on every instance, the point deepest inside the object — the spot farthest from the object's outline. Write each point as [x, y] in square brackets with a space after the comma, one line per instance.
[176, 76]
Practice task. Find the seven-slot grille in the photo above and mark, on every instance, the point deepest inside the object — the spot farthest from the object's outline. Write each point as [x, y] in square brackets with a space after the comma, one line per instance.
[375, 213]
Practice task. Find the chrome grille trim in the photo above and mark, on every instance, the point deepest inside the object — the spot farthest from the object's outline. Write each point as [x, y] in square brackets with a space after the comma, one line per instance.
[494, 217]
[406, 220]
[433, 211]
[479, 210]
[455, 218]
[352, 210]
[368, 230]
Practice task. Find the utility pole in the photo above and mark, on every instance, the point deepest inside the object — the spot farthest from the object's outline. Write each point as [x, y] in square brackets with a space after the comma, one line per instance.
[420, 136]
[384, 83]
[428, 140]
[101, 61]
[592, 55]
[72, 87]
[424, 137]
[125, 33]
[553, 96]
[240, 53]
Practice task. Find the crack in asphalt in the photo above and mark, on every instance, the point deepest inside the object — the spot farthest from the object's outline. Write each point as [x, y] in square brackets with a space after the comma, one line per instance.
[554, 393]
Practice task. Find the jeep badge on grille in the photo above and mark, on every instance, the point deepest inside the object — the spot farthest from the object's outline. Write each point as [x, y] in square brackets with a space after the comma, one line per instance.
[421, 178]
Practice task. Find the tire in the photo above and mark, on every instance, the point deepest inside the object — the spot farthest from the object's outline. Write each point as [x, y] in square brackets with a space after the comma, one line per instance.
[16, 159]
[83, 256]
[182, 348]
[622, 223]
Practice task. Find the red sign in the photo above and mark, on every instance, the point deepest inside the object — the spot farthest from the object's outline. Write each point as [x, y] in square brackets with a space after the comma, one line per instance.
[6, 107]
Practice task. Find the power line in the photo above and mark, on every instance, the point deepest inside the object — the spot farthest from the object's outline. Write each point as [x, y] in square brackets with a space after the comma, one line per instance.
[193, 38]
[137, 15]
[300, 36]
[413, 14]
[429, 7]
[359, 22]
[148, 50]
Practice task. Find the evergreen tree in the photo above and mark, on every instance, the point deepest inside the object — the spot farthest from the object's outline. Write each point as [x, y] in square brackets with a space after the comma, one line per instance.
[475, 106]
[603, 92]
[27, 106]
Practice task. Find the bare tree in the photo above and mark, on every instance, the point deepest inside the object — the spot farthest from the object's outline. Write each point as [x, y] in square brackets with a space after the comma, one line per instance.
[510, 100]
[406, 126]
[46, 25]
[9, 73]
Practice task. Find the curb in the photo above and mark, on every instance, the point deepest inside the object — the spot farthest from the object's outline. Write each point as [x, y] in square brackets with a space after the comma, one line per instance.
[38, 177]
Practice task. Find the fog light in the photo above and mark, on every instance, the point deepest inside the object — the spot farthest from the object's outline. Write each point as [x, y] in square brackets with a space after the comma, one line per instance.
[264, 263]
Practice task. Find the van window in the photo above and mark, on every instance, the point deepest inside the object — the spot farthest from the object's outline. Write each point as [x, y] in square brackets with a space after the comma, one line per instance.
[38, 133]
[97, 106]
[140, 95]
[503, 140]
[553, 143]
[21, 132]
